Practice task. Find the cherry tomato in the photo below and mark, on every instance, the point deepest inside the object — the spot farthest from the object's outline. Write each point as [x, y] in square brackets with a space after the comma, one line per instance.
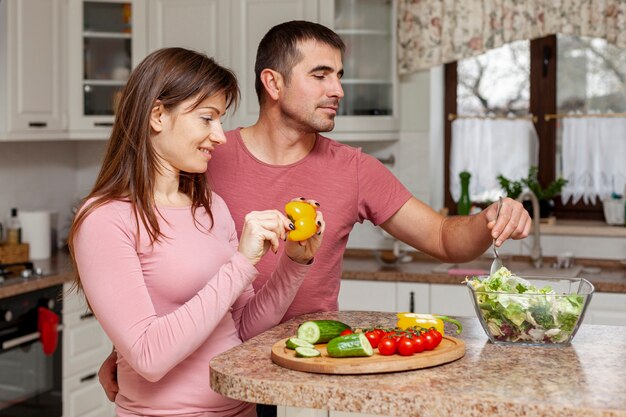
[406, 347]
[429, 341]
[346, 332]
[419, 344]
[373, 337]
[387, 347]
[436, 335]
[380, 332]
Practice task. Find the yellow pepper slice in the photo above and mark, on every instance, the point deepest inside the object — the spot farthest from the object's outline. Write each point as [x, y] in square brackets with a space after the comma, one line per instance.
[302, 215]
[426, 321]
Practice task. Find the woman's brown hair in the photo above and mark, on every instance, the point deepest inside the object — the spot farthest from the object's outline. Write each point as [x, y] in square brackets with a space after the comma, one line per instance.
[169, 76]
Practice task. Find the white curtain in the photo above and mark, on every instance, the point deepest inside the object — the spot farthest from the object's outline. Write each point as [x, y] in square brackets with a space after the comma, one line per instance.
[487, 148]
[594, 158]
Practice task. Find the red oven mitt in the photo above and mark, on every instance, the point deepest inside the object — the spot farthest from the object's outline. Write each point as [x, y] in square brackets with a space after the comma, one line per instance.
[47, 327]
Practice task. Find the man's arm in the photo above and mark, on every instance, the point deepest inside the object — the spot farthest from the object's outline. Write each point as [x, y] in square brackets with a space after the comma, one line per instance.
[457, 238]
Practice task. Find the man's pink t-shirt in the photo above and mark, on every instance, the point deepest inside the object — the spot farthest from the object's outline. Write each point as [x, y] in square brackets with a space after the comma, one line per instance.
[350, 186]
[169, 308]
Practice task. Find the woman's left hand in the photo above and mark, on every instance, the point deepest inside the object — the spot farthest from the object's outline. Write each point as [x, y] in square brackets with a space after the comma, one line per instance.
[304, 250]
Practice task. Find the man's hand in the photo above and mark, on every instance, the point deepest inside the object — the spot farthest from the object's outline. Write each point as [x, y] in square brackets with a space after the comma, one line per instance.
[107, 375]
[513, 221]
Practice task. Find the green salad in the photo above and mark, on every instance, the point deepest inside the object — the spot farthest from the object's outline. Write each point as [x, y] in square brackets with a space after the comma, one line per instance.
[514, 310]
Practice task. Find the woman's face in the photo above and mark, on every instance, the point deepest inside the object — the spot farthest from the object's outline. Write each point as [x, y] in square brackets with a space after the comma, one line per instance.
[185, 137]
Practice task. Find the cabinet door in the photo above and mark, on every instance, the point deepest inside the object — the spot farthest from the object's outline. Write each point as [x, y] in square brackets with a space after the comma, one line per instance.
[83, 397]
[607, 309]
[367, 295]
[251, 20]
[35, 65]
[451, 300]
[299, 412]
[413, 297]
[201, 25]
[106, 40]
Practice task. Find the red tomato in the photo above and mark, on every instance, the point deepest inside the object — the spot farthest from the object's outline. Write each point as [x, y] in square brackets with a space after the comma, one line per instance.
[406, 347]
[380, 332]
[346, 332]
[387, 347]
[419, 344]
[436, 335]
[373, 337]
[429, 341]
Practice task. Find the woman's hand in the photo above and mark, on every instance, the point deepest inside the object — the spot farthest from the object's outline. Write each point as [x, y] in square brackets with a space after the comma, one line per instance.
[261, 231]
[304, 251]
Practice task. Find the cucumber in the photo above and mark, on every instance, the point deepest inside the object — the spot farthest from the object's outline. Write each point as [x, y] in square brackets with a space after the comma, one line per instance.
[306, 352]
[355, 344]
[294, 342]
[320, 331]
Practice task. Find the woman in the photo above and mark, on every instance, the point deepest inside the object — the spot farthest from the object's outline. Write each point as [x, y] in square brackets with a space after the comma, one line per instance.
[157, 253]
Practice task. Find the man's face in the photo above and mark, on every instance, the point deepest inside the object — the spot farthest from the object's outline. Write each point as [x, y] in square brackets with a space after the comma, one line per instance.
[310, 99]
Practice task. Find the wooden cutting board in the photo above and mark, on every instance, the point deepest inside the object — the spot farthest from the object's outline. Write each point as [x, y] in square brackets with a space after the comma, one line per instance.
[450, 349]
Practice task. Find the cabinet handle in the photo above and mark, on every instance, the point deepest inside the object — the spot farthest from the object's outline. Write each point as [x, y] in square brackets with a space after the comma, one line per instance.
[86, 316]
[37, 124]
[103, 124]
[412, 302]
[88, 377]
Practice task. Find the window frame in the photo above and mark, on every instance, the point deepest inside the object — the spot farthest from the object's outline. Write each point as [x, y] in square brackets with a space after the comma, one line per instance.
[543, 66]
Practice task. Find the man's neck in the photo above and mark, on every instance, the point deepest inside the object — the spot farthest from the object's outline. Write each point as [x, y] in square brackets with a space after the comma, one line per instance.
[277, 144]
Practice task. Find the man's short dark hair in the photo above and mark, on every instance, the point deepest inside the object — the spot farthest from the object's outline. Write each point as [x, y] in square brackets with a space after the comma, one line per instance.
[278, 49]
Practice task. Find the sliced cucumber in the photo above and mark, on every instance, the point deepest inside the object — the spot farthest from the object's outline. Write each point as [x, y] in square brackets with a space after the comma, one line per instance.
[320, 331]
[306, 352]
[294, 342]
[355, 344]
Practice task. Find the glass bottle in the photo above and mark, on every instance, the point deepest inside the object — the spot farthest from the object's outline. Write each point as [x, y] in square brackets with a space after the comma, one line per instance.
[14, 229]
[464, 204]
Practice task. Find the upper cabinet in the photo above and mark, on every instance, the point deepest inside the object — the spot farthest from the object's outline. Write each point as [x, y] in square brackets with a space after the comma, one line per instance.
[32, 98]
[106, 39]
[369, 108]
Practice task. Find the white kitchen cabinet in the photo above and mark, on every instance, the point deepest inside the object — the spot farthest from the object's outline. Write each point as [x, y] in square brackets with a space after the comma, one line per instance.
[32, 98]
[299, 412]
[85, 346]
[369, 109]
[367, 295]
[606, 308]
[413, 297]
[107, 38]
[201, 25]
[451, 300]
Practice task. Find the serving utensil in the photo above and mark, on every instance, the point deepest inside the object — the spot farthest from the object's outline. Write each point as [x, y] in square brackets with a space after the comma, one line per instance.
[497, 262]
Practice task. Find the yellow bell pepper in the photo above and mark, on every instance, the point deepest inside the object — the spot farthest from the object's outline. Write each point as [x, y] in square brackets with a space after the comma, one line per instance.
[426, 321]
[302, 215]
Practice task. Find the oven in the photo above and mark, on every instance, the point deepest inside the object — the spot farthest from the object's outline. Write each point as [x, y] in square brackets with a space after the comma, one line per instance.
[31, 354]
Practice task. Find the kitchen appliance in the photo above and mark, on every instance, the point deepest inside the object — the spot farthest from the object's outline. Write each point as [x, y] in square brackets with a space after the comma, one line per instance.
[31, 354]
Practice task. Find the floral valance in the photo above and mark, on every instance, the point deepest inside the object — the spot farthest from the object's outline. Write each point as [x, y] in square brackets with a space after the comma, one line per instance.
[433, 32]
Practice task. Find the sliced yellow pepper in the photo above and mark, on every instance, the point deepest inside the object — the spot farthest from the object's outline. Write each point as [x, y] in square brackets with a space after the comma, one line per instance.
[426, 321]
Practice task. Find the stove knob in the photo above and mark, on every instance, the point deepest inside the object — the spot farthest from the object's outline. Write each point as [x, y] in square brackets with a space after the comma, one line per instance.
[6, 316]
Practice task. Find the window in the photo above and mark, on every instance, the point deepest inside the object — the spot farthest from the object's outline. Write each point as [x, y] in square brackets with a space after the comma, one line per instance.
[552, 75]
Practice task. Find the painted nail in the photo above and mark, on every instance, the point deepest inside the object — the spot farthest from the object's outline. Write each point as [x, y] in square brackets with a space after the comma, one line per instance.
[319, 223]
[317, 204]
[291, 226]
[302, 198]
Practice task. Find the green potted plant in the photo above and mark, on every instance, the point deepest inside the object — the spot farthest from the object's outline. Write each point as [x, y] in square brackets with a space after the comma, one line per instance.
[544, 195]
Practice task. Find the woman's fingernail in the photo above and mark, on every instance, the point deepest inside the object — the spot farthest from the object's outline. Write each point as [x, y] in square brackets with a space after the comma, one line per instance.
[319, 233]
[291, 226]
[317, 204]
[302, 198]
[319, 223]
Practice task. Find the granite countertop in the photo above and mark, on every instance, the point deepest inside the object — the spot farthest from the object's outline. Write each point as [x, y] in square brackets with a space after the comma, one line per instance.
[358, 264]
[585, 379]
[361, 265]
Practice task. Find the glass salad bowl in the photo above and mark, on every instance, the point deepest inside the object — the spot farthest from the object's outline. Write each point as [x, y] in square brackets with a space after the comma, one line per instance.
[531, 311]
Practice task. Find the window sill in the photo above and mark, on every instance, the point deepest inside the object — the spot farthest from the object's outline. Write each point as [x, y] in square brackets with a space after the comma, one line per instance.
[582, 228]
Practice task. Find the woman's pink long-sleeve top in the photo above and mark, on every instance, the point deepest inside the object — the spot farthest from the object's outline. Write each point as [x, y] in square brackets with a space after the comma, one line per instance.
[170, 307]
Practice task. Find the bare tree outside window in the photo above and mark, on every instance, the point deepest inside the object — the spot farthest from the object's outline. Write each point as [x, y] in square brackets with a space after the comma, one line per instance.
[496, 82]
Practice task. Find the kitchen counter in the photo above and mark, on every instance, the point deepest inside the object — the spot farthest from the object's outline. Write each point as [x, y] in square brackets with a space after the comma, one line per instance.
[358, 264]
[585, 379]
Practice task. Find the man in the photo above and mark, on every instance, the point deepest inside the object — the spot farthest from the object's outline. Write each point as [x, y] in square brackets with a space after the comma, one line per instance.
[298, 71]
